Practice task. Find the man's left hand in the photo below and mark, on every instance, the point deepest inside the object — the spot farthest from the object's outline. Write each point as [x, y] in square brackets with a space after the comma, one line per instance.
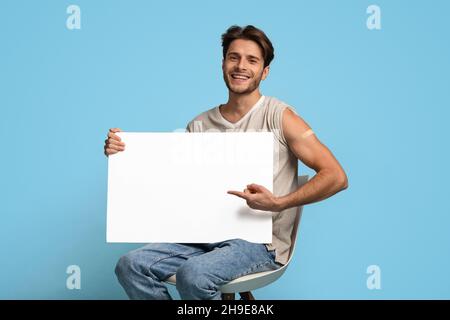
[258, 197]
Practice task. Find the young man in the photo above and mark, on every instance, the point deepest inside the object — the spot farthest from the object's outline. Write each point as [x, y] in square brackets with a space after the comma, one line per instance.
[202, 268]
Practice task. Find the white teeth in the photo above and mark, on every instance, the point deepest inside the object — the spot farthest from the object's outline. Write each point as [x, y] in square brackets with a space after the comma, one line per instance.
[239, 77]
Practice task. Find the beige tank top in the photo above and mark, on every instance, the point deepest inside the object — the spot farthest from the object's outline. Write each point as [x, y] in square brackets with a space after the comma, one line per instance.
[265, 115]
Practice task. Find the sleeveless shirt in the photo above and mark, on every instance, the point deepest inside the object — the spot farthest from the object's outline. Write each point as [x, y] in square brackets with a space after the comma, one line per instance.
[265, 115]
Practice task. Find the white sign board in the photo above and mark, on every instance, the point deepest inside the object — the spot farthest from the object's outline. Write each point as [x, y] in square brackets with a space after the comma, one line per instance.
[172, 187]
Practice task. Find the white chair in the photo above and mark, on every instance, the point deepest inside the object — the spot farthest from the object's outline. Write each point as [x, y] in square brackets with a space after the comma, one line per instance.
[245, 284]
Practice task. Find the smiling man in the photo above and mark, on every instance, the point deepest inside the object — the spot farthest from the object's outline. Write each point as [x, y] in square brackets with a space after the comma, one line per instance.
[201, 269]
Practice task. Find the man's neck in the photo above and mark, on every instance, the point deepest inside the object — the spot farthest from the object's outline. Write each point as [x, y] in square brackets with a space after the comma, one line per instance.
[239, 104]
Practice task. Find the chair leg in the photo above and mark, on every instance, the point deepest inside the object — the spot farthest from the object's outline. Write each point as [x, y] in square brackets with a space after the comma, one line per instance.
[247, 295]
[228, 296]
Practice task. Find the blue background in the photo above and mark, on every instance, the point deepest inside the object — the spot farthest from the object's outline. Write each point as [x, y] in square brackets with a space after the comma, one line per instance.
[379, 99]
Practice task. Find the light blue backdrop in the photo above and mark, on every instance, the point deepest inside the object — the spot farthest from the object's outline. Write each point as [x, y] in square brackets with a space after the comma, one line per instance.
[379, 99]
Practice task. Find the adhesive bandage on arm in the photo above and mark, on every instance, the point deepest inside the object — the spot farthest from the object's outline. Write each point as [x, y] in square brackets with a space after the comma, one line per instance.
[307, 133]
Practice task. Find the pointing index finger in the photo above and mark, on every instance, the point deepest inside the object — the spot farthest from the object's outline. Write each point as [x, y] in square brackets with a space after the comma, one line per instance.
[239, 194]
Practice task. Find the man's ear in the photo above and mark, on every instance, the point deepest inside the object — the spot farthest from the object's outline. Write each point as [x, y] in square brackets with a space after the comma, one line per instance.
[265, 72]
[223, 61]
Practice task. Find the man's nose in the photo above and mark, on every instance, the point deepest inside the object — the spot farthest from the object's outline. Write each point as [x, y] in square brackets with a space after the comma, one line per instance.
[241, 64]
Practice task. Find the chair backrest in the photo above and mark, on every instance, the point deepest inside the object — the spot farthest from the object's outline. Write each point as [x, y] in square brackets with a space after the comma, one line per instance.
[301, 181]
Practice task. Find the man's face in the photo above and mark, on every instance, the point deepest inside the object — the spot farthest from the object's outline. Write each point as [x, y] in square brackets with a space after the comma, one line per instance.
[243, 66]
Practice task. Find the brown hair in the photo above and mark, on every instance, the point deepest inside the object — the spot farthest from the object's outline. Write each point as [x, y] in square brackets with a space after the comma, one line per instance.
[249, 33]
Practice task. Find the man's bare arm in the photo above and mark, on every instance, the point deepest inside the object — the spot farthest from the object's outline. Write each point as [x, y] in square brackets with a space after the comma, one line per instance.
[330, 177]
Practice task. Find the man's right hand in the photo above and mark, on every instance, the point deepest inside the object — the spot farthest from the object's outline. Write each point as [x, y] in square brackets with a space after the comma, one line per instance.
[113, 143]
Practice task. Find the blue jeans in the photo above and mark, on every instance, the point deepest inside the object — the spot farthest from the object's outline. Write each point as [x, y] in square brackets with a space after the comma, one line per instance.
[200, 268]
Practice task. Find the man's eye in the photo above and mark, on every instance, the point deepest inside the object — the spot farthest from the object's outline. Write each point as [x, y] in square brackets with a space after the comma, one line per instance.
[253, 61]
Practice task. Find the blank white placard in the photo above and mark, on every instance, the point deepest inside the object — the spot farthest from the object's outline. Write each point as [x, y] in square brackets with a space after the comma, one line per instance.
[172, 187]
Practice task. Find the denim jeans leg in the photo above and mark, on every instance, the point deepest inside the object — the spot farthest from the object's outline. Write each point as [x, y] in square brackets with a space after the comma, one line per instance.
[141, 272]
[200, 277]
